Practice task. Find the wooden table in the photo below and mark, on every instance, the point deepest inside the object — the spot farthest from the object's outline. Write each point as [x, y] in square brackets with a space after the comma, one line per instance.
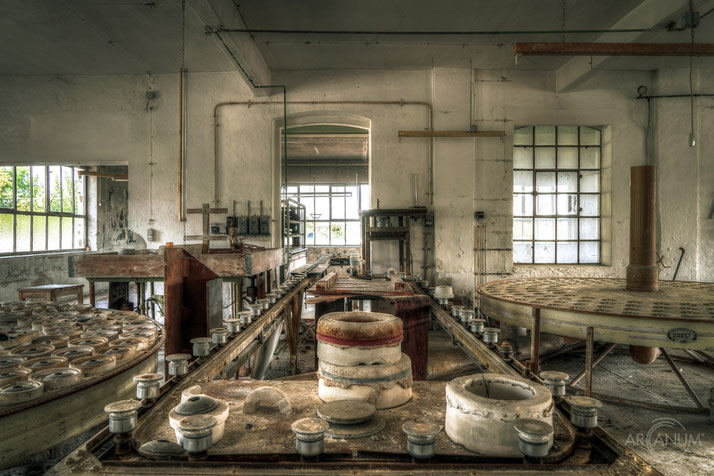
[50, 292]
[413, 309]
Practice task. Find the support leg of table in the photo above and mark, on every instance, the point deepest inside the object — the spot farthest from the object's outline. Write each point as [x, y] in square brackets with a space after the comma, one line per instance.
[589, 362]
[535, 342]
[681, 378]
[92, 296]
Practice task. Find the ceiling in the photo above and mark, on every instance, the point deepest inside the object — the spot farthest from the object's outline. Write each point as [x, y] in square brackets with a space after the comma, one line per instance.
[136, 36]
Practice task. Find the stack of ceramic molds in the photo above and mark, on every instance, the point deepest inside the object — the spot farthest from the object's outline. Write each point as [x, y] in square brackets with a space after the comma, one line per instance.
[361, 359]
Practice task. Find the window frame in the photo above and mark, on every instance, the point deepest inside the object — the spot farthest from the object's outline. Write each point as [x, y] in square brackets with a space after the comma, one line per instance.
[47, 213]
[556, 193]
[331, 219]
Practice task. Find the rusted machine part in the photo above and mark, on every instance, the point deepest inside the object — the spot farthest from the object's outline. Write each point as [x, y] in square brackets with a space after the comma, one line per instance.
[642, 272]
[644, 355]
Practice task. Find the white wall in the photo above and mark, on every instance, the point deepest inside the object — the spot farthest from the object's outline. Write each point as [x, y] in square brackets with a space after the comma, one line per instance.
[104, 120]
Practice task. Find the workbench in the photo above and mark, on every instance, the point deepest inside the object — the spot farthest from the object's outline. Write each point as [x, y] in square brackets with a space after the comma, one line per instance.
[50, 292]
[411, 308]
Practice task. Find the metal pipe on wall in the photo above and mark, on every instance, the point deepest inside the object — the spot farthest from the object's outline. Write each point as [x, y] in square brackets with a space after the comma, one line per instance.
[181, 144]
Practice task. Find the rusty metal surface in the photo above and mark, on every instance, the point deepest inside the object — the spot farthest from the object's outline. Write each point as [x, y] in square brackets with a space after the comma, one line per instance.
[361, 287]
[682, 300]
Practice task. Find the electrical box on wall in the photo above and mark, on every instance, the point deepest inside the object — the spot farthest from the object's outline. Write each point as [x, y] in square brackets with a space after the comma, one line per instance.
[250, 225]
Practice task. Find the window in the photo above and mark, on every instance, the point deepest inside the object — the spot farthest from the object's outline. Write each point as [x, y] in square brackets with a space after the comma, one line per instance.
[556, 194]
[332, 212]
[42, 208]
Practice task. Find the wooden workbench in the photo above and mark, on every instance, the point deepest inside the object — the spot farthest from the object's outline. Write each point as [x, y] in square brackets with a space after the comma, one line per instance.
[50, 292]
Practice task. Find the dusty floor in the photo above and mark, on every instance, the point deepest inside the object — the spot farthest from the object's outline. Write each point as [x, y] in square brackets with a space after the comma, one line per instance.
[675, 443]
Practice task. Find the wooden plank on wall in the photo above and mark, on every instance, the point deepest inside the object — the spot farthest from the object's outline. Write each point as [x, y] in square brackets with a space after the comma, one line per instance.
[451, 134]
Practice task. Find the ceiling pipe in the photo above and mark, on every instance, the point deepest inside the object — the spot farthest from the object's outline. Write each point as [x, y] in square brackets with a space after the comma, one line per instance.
[443, 33]
[612, 49]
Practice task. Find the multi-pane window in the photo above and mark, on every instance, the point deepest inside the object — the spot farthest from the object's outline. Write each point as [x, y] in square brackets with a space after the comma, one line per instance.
[556, 194]
[332, 212]
[42, 208]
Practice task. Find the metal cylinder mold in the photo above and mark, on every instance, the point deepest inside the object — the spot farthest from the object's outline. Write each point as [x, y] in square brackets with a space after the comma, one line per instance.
[21, 391]
[583, 411]
[535, 437]
[201, 346]
[197, 432]
[232, 325]
[219, 336]
[421, 438]
[309, 436]
[481, 411]
[244, 317]
[456, 310]
[178, 364]
[642, 272]
[359, 338]
[555, 382]
[265, 302]
[383, 385]
[490, 335]
[477, 326]
[148, 386]
[122, 415]
[465, 315]
[256, 309]
[193, 402]
[272, 298]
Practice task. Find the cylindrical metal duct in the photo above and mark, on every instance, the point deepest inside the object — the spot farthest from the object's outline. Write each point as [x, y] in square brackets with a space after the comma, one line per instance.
[642, 273]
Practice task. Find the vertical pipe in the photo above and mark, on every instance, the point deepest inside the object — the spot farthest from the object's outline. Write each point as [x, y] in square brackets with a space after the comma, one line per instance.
[180, 154]
[642, 272]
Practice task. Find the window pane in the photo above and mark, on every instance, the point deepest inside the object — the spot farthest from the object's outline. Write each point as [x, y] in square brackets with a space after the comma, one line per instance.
[545, 205]
[589, 229]
[66, 233]
[522, 228]
[292, 190]
[545, 228]
[545, 158]
[568, 252]
[338, 203]
[39, 225]
[589, 136]
[567, 182]
[568, 204]
[310, 233]
[545, 182]
[67, 191]
[22, 234]
[590, 181]
[522, 181]
[568, 135]
[567, 229]
[567, 157]
[523, 157]
[337, 233]
[523, 136]
[55, 190]
[53, 233]
[544, 252]
[364, 197]
[353, 233]
[39, 190]
[522, 252]
[79, 233]
[590, 158]
[322, 233]
[6, 194]
[6, 238]
[522, 205]
[545, 135]
[24, 197]
[78, 193]
[589, 252]
[309, 203]
[322, 208]
[590, 205]
[306, 188]
[352, 203]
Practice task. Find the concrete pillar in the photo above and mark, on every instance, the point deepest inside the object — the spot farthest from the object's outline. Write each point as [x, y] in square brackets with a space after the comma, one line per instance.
[453, 181]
